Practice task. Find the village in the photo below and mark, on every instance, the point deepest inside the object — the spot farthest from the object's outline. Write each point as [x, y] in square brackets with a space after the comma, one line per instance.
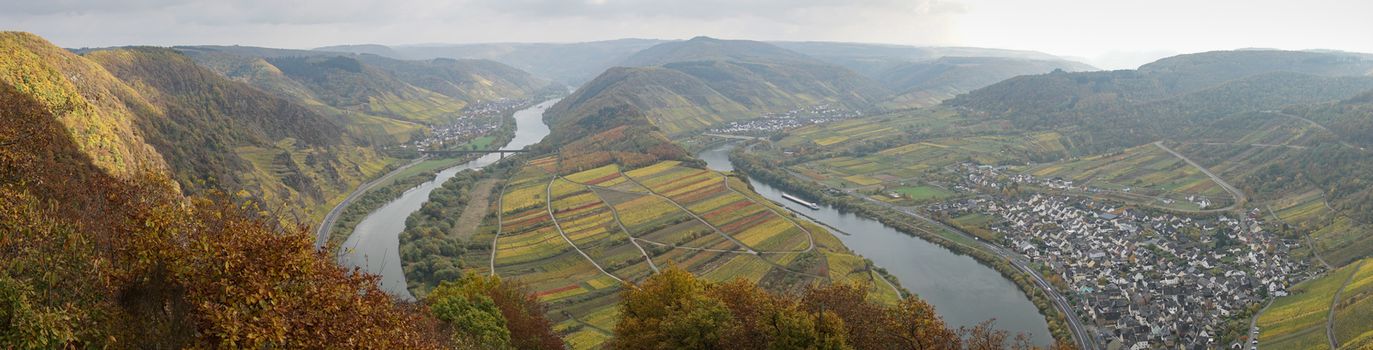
[1143, 278]
[476, 120]
[775, 122]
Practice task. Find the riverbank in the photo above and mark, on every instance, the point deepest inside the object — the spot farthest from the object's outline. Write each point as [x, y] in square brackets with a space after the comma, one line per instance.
[374, 245]
[1028, 284]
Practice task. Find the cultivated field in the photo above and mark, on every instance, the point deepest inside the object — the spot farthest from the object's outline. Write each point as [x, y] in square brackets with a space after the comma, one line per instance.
[1298, 321]
[579, 240]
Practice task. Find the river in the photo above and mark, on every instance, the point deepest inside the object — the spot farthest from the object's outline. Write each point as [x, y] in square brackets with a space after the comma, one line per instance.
[961, 289]
[374, 245]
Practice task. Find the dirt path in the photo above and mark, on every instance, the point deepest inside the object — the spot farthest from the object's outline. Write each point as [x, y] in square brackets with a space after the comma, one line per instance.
[1307, 235]
[721, 233]
[616, 214]
[1239, 195]
[1330, 319]
[548, 194]
[693, 215]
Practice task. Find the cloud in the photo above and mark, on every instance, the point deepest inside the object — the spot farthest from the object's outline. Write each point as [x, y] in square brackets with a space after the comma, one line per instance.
[309, 23]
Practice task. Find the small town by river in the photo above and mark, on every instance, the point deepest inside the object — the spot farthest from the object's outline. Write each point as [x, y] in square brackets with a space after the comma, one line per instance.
[961, 289]
[374, 245]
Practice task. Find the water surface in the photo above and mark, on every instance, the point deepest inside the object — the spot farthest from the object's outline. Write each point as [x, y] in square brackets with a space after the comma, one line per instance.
[374, 245]
[961, 289]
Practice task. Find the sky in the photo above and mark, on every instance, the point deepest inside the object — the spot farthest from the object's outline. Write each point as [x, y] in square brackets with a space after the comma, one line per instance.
[1106, 33]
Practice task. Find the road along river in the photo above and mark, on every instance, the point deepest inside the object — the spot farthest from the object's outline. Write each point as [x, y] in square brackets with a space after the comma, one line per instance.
[375, 243]
[961, 289]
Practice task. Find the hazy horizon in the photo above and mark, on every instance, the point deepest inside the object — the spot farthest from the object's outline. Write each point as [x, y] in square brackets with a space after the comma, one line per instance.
[1109, 35]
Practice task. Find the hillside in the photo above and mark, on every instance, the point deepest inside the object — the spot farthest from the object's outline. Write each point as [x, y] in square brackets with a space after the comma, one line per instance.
[277, 151]
[926, 83]
[376, 99]
[102, 251]
[701, 83]
[570, 63]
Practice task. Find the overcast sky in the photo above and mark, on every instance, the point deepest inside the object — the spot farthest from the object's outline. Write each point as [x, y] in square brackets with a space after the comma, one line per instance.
[1107, 33]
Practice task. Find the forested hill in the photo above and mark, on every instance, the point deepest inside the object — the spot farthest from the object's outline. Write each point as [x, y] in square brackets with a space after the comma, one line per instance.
[926, 76]
[218, 134]
[100, 248]
[700, 83]
[567, 63]
[1127, 107]
[927, 83]
[378, 99]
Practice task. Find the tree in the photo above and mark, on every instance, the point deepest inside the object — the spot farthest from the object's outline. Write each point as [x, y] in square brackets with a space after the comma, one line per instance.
[670, 310]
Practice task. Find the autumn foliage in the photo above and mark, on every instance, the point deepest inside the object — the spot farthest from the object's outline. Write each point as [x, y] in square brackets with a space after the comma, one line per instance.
[674, 309]
[90, 259]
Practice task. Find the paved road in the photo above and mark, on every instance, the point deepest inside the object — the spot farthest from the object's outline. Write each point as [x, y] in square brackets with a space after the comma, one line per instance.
[1080, 334]
[1330, 319]
[1254, 322]
[736, 137]
[1239, 195]
[1322, 127]
[322, 232]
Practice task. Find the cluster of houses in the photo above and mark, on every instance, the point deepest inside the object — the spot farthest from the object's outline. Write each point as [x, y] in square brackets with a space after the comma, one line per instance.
[475, 120]
[774, 122]
[1144, 280]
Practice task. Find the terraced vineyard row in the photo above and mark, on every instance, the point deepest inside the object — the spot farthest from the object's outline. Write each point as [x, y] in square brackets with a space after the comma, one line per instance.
[579, 239]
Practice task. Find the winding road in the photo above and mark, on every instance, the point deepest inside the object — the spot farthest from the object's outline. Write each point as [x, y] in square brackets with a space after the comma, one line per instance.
[1330, 319]
[1240, 199]
[1084, 339]
[548, 194]
[322, 232]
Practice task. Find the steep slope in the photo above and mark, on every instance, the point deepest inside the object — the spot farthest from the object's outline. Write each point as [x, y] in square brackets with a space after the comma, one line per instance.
[570, 64]
[700, 83]
[101, 251]
[378, 99]
[97, 109]
[276, 150]
[669, 99]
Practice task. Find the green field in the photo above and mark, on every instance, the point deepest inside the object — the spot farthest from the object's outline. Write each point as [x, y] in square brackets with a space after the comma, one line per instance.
[924, 193]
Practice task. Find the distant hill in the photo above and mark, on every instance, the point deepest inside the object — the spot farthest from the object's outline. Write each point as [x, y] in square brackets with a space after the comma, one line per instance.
[871, 59]
[695, 84]
[1116, 97]
[570, 63]
[711, 49]
[927, 83]
[382, 100]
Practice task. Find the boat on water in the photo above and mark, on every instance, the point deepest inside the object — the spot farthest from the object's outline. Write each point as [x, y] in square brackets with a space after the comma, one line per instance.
[798, 200]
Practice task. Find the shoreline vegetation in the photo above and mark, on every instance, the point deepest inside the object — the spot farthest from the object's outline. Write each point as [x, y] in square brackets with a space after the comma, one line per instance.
[418, 174]
[759, 168]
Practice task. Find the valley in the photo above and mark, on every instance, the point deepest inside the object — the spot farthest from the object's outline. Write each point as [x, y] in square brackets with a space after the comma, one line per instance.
[694, 193]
